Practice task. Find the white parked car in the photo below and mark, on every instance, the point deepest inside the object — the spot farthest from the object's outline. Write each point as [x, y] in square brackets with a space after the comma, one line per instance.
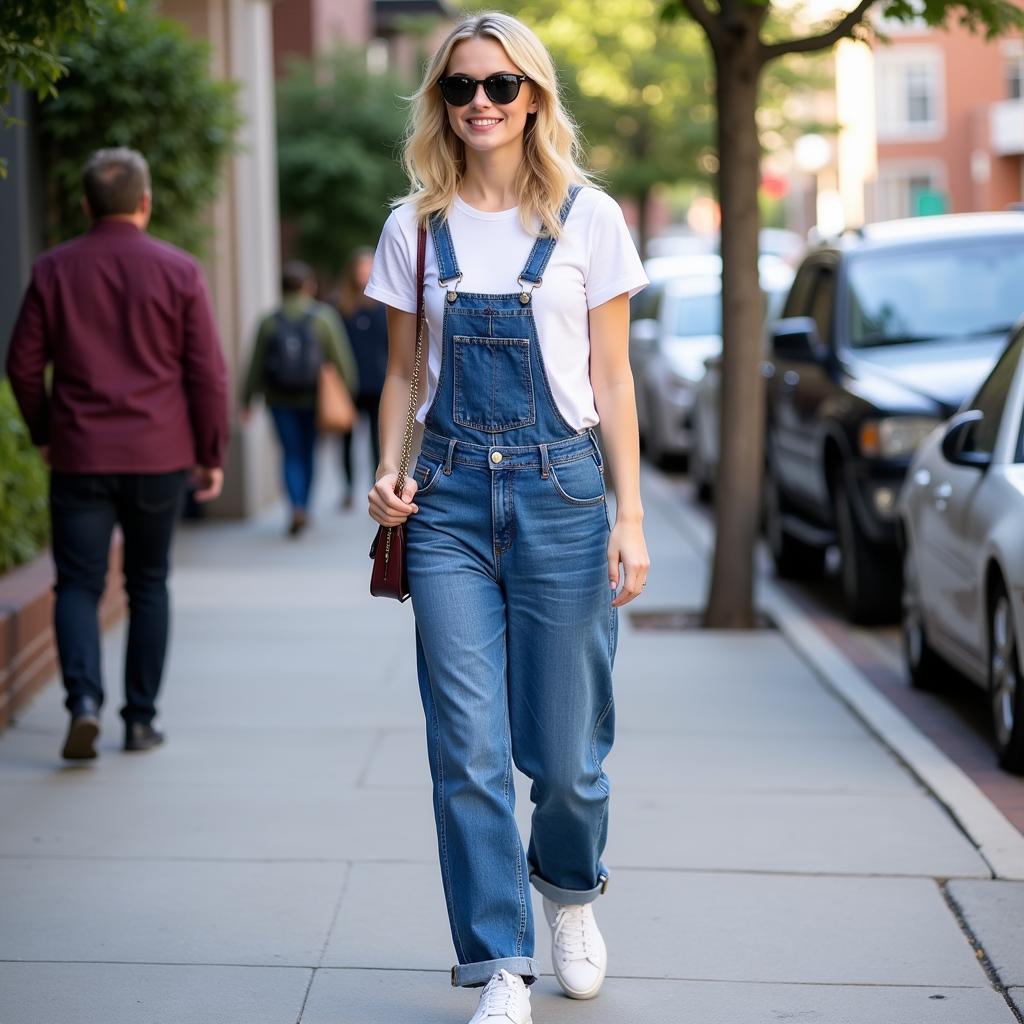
[962, 525]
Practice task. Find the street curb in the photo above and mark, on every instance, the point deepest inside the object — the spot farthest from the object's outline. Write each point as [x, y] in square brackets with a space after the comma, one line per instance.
[998, 842]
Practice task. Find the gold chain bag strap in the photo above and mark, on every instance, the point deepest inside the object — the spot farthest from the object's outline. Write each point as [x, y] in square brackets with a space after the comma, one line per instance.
[389, 577]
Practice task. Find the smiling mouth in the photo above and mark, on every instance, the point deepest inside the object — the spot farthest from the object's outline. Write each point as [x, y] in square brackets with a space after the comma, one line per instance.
[483, 122]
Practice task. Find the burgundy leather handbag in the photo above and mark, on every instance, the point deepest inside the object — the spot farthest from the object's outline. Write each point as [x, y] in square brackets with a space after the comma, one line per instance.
[389, 577]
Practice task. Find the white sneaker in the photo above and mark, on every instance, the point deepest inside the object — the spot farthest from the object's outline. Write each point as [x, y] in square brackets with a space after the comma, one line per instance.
[578, 952]
[506, 998]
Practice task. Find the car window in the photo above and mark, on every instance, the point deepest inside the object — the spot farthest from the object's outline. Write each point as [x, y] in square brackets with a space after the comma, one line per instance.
[991, 399]
[644, 305]
[823, 301]
[798, 300]
[947, 291]
[693, 315]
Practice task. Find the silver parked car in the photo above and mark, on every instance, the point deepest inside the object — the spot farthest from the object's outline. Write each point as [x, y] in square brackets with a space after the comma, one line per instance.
[776, 277]
[667, 349]
[962, 524]
[676, 327]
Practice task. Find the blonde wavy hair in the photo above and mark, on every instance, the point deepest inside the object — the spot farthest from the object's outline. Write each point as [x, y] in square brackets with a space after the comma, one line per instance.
[434, 156]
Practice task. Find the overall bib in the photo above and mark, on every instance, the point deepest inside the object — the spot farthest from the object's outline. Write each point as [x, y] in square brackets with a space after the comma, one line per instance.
[507, 561]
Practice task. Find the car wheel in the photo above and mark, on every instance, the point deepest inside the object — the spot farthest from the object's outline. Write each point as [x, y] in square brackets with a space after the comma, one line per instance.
[870, 575]
[794, 559]
[653, 447]
[925, 668]
[1006, 690]
[700, 474]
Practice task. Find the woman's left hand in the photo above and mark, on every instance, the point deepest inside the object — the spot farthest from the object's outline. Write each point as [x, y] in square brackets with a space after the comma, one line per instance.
[627, 547]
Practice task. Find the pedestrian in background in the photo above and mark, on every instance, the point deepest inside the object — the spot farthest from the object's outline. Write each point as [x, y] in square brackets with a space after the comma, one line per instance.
[513, 567]
[138, 398]
[366, 324]
[292, 343]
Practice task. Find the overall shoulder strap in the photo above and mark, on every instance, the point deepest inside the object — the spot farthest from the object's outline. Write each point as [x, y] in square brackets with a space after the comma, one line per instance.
[542, 249]
[444, 250]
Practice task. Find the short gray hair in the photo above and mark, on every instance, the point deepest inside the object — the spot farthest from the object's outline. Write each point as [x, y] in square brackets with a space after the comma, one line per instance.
[115, 180]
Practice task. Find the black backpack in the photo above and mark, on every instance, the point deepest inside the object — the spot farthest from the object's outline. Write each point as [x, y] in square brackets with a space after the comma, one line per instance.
[294, 356]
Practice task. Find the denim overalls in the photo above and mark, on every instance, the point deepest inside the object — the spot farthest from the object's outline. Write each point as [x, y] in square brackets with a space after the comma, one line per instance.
[516, 634]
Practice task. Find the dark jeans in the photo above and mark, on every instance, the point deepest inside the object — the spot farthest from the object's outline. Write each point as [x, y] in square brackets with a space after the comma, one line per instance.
[369, 404]
[296, 430]
[84, 509]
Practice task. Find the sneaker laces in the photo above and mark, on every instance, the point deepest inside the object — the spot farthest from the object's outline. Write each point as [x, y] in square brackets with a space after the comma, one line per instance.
[571, 932]
[500, 995]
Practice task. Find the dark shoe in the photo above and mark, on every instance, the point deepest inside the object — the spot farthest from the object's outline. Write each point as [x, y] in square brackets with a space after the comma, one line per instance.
[140, 736]
[347, 503]
[83, 731]
[298, 524]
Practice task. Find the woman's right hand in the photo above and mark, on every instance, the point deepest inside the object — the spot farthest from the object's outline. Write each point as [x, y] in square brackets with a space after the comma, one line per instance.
[386, 507]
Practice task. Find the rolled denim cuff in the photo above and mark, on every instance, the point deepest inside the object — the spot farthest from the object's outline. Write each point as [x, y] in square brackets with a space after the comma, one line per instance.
[569, 897]
[474, 975]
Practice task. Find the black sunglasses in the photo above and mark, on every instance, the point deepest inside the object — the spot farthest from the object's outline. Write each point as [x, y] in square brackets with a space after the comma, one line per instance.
[459, 90]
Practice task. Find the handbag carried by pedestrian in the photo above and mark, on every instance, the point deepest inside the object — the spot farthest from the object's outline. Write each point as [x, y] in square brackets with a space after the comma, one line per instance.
[389, 577]
[335, 410]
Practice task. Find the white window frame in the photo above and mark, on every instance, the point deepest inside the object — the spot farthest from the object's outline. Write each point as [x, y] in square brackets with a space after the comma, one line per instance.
[1013, 56]
[899, 172]
[892, 70]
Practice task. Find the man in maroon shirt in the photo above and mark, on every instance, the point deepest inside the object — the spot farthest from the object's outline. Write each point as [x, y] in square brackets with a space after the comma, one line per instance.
[138, 398]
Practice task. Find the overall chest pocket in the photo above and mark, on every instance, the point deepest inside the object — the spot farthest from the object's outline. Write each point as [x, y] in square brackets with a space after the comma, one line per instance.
[493, 383]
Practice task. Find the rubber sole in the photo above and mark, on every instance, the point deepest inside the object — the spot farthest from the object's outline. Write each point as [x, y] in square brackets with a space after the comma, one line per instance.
[590, 993]
[80, 744]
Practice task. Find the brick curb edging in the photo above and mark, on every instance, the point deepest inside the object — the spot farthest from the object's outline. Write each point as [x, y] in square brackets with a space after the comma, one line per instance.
[28, 650]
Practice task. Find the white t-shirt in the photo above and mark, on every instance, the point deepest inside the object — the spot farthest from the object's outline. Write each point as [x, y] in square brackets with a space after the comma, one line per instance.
[594, 260]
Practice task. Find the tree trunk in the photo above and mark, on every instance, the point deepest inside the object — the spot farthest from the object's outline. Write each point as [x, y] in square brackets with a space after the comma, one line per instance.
[738, 488]
[643, 220]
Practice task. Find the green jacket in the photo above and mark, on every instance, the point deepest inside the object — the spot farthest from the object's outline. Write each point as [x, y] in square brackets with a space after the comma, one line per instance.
[333, 340]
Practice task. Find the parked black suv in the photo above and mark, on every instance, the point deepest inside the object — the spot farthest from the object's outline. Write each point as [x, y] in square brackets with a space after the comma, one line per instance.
[884, 333]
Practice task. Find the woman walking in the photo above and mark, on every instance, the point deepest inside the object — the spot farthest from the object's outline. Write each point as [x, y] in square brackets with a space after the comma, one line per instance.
[366, 325]
[514, 570]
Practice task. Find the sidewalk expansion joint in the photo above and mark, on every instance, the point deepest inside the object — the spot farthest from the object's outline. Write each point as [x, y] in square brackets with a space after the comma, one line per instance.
[979, 950]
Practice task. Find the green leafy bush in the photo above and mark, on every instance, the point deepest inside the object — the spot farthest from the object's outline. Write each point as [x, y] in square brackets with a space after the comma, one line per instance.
[139, 80]
[339, 127]
[24, 515]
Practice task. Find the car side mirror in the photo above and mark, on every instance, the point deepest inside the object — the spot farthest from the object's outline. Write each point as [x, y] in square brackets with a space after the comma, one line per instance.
[644, 333]
[796, 337]
[955, 438]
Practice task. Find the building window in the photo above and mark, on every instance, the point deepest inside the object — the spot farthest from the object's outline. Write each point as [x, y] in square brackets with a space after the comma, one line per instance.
[912, 191]
[920, 94]
[1014, 73]
[909, 93]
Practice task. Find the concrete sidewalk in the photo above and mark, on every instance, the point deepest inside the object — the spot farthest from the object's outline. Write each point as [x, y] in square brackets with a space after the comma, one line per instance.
[276, 862]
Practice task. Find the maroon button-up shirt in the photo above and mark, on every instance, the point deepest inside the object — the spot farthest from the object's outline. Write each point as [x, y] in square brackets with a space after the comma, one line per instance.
[139, 382]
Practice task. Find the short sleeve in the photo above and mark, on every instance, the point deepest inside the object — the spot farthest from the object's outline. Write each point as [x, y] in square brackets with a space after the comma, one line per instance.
[614, 265]
[393, 278]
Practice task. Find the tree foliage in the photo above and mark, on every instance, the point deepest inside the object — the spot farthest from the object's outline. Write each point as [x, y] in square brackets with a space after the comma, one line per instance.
[139, 80]
[641, 88]
[745, 39]
[339, 130]
[24, 515]
[31, 34]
